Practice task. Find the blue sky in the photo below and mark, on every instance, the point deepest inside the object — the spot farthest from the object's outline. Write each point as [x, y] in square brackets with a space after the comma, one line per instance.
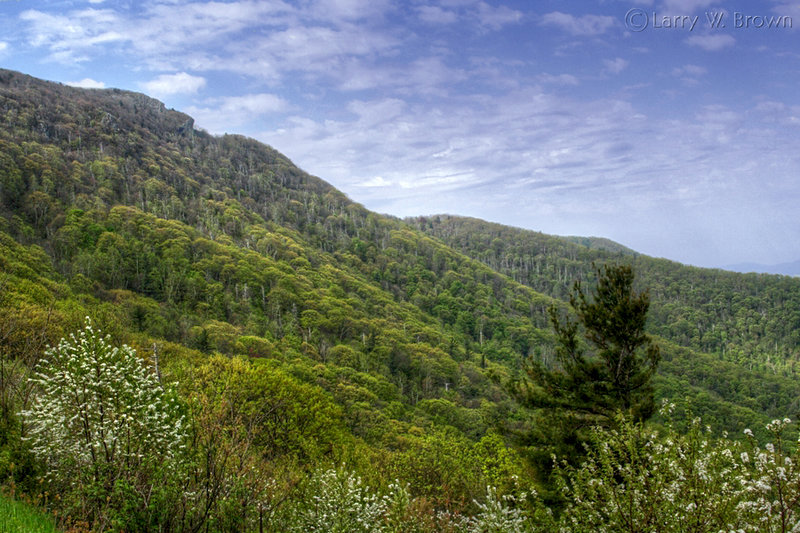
[633, 120]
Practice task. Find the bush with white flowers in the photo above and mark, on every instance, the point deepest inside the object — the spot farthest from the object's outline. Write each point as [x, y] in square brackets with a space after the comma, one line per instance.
[339, 502]
[635, 479]
[101, 422]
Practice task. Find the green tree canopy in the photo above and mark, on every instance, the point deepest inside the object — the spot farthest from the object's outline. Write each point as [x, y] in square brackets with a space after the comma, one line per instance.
[590, 382]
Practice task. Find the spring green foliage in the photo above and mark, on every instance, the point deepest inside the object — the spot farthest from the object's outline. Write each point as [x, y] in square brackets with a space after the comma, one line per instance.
[300, 332]
[589, 387]
[17, 517]
[729, 341]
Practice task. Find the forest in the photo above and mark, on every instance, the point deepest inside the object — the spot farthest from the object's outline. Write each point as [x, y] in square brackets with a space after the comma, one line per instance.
[196, 335]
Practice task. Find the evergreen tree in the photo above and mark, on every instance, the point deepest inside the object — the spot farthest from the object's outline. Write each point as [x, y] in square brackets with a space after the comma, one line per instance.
[591, 382]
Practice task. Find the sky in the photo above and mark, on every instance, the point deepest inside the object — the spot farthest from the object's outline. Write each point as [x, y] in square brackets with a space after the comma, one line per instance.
[670, 126]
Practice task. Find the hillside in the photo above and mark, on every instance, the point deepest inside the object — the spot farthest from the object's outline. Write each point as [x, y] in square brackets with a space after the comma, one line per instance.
[751, 319]
[382, 343]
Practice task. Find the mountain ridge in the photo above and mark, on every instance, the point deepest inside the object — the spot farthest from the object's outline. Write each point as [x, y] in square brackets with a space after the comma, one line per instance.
[221, 244]
[791, 268]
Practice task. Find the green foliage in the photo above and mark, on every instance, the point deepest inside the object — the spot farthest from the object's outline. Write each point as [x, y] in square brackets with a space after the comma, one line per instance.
[750, 320]
[374, 344]
[17, 517]
[626, 359]
[583, 390]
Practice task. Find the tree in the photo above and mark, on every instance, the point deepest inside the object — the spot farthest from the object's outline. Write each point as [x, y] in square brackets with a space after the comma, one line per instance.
[586, 388]
[103, 426]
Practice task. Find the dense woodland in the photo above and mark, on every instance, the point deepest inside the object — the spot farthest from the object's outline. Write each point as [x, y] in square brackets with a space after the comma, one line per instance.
[310, 346]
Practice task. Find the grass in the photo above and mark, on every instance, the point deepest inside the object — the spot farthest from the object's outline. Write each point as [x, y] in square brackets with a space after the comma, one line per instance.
[17, 517]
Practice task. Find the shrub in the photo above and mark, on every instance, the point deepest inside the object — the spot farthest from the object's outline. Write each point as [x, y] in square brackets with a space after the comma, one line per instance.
[103, 426]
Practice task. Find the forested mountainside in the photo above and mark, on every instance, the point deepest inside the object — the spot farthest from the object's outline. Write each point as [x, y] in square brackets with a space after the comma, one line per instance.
[752, 320]
[356, 337]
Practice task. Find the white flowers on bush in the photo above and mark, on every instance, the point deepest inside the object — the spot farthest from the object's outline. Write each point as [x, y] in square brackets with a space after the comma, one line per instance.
[498, 515]
[635, 480]
[99, 411]
[341, 503]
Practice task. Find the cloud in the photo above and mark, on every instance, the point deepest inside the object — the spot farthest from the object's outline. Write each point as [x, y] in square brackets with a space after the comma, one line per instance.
[436, 15]
[787, 9]
[687, 7]
[615, 66]
[586, 25]
[253, 103]
[690, 74]
[689, 70]
[496, 17]
[712, 43]
[559, 79]
[377, 181]
[69, 37]
[350, 9]
[179, 83]
[3, 46]
[470, 12]
[87, 83]
[422, 76]
[219, 115]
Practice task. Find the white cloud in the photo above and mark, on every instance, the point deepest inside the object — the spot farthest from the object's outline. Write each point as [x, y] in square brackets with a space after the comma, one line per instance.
[788, 9]
[3, 46]
[436, 15]
[615, 66]
[496, 17]
[687, 7]
[690, 74]
[586, 25]
[477, 12]
[220, 115]
[68, 37]
[712, 43]
[87, 83]
[179, 83]
[377, 181]
[350, 9]
[559, 79]
[689, 70]
[253, 103]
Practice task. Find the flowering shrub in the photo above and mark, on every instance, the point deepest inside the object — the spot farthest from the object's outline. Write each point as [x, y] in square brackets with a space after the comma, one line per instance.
[101, 424]
[341, 503]
[637, 480]
[499, 515]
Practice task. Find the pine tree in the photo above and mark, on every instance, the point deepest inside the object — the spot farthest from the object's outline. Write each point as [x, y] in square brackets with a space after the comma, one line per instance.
[594, 380]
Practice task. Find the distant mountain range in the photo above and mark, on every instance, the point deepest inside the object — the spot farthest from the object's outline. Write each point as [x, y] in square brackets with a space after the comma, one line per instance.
[787, 269]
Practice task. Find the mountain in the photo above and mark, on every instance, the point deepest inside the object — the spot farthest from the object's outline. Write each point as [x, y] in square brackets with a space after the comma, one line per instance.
[741, 318]
[786, 269]
[131, 205]
[387, 344]
[601, 243]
